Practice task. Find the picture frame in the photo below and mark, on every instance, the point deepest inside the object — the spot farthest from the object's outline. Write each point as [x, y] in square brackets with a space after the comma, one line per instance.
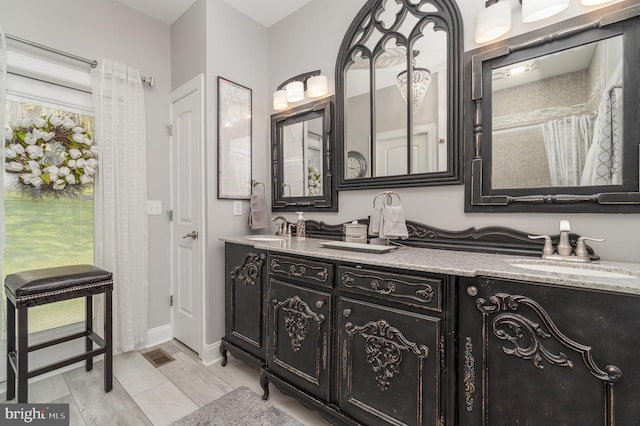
[234, 140]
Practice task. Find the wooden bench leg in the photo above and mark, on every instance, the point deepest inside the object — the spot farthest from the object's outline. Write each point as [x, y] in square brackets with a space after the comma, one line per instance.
[89, 328]
[23, 355]
[11, 347]
[108, 342]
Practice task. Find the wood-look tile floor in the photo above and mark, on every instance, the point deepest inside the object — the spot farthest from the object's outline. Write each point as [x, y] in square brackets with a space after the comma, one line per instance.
[145, 395]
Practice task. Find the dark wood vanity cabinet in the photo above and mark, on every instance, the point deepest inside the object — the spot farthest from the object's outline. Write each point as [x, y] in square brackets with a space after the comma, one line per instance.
[389, 364]
[365, 347]
[391, 367]
[301, 329]
[534, 354]
[245, 324]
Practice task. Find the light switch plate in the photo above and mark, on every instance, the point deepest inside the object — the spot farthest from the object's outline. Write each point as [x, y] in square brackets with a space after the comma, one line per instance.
[237, 208]
[154, 207]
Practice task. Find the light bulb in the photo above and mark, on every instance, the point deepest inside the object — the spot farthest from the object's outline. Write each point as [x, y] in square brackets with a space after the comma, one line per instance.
[493, 21]
[295, 91]
[279, 100]
[317, 86]
[537, 10]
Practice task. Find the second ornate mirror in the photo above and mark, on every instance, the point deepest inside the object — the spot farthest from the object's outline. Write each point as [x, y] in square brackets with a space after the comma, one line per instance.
[301, 155]
[553, 118]
[397, 95]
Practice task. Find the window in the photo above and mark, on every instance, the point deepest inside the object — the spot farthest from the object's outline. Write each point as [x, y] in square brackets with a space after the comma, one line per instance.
[45, 230]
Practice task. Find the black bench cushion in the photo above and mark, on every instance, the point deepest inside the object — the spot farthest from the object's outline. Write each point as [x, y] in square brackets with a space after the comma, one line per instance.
[51, 279]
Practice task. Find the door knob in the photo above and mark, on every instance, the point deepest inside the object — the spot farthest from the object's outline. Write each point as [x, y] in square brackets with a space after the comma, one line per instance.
[192, 234]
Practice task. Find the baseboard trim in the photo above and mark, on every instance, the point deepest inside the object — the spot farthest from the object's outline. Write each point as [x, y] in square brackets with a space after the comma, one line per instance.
[211, 354]
[164, 333]
[158, 335]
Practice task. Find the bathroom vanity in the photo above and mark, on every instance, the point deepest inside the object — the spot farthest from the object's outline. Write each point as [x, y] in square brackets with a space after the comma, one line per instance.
[426, 336]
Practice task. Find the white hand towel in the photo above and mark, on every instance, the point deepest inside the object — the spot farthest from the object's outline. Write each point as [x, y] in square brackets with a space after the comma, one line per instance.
[393, 223]
[258, 212]
[375, 221]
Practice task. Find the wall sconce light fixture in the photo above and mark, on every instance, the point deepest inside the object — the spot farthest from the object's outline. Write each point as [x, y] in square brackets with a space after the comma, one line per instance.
[495, 19]
[293, 89]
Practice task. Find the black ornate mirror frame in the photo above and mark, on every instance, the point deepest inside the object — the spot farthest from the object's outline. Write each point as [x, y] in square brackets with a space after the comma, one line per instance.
[598, 25]
[447, 18]
[328, 201]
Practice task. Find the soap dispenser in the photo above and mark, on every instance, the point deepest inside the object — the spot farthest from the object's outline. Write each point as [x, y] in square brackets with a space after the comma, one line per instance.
[301, 231]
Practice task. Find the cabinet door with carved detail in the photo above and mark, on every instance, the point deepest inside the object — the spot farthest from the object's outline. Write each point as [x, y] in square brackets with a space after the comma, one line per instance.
[389, 364]
[300, 327]
[245, 273]
[533, 354]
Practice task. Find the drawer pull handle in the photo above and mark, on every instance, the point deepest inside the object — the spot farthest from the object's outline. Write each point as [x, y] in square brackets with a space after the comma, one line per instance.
[319, 304]
[346, 313]
[472, 291]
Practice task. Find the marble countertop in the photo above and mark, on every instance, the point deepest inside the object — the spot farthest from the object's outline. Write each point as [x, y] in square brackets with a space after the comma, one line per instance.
[461, 263]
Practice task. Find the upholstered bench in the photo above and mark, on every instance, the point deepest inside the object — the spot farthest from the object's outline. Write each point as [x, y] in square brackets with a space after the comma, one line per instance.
[39, 287]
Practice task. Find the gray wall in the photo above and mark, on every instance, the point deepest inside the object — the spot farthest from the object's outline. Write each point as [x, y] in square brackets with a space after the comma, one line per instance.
[108, 29]
[236, 50]
[310, 38]
[189, 44]
[225, 43]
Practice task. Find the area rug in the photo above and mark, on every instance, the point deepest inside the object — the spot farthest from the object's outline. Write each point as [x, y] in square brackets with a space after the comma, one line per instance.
[239, 407]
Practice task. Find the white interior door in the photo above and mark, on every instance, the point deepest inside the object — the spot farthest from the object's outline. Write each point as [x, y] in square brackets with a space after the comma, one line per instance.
[391, 152]
[187, 152]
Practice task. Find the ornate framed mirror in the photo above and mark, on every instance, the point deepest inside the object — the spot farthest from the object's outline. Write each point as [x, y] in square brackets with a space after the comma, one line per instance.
[301, 156]
[398, 95]
[552, 118]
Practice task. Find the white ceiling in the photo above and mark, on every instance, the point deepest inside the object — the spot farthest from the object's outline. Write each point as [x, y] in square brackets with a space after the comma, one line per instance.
[266, 12]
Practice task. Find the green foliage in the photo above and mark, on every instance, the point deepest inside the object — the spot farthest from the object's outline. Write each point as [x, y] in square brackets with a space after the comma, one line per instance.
[43, 233]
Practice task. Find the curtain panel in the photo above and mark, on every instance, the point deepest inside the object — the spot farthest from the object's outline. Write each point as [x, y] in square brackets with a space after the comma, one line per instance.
[121, 232]
[3, 234]
[567, 142]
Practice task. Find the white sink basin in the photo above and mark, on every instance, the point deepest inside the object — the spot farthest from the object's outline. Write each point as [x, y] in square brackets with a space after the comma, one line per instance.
[263, 238]
[582, 269]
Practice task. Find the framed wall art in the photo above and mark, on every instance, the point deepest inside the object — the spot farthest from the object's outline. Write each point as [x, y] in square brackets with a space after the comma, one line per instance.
[234, 140]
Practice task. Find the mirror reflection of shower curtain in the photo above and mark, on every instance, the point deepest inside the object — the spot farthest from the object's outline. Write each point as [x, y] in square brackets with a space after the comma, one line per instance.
[567, 141]
[603, 160]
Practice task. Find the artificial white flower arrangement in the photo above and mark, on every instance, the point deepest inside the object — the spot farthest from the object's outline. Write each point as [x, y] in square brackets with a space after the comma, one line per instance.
[313, 180]
[51, 153]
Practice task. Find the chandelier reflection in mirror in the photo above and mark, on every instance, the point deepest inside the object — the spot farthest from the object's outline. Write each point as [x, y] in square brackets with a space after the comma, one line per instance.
[419, 83]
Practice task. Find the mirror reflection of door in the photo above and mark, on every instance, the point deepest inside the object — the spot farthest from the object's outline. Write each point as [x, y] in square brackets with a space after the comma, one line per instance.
[557, 119]
[302, 158]
[391, 152]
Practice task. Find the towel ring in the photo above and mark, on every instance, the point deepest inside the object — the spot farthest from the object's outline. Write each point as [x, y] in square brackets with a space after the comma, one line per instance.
[255, 183]
[387, 199]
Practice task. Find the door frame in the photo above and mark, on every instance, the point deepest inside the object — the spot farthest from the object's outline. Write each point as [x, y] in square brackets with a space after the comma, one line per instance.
[196, 84]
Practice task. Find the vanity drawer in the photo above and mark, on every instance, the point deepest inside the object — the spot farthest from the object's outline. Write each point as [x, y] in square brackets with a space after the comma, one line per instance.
[411, 290]
[301, 270]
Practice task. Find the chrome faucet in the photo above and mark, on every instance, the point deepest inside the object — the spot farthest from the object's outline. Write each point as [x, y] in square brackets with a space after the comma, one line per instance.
[282, 226]
[563, 250]
[564, 246]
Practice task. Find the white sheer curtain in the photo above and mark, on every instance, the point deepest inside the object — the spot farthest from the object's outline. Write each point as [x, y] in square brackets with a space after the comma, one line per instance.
[602, 166]
[567, 141]
[3, 234]
[121, 194]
